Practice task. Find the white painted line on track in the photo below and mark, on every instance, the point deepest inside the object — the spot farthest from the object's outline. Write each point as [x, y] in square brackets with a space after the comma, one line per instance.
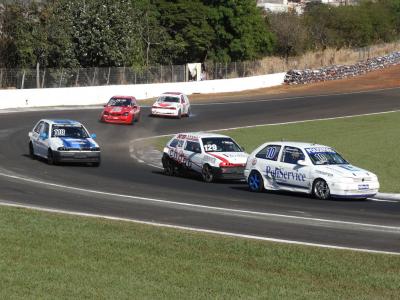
[184, 204]
[193, 229]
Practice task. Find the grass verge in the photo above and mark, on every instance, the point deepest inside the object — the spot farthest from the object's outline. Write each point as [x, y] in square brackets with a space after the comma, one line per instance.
[54, 256]
[370, 142]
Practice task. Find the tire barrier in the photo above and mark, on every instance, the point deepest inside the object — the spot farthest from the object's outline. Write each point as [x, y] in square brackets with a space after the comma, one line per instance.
[339, 71]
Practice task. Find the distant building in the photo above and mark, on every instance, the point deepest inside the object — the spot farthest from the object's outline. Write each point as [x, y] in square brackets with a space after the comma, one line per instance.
[277, 6]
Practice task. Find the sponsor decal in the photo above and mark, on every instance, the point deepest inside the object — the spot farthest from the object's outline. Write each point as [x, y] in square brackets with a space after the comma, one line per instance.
[187, 137]
[180, 157]
[278, 173]
[350, 168]
[320, 150]
[76, 143]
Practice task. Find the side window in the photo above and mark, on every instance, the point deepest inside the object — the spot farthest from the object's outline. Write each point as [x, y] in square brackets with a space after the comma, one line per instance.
[38, 127]
[270, 152]
[193, 147]
[174, 143]
[46, 128]
[291, 155]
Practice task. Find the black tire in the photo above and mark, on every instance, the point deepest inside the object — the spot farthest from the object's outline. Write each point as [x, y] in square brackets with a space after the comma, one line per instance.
[138, 118]
[31, 151]
[255, 182]
[321, 189]
[169, 167]
[50, 158]
[179, 116]
[207, 174]
[96, 164]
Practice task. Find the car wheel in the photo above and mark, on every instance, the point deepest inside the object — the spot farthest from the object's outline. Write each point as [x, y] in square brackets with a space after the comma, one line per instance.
[31, 151]
[169, 168]
[179, 116]
[138, 117]
[50, 158]
[255, 182]
[207, 174]
[96, 164]
[321, 189]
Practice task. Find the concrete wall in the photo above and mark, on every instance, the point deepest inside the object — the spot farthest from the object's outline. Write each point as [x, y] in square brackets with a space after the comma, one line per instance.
[101, 94]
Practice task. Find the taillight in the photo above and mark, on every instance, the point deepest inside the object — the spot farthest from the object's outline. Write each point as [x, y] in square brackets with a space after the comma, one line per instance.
[228, 164]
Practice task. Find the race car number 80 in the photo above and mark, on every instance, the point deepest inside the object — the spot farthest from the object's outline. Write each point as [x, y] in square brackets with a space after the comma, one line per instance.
[211, 147]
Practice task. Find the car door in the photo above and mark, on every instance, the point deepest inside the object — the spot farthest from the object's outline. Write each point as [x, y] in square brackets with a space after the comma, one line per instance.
[267, 162]
[290, 175]
[193, 155]
[35, 137]
[43, 139]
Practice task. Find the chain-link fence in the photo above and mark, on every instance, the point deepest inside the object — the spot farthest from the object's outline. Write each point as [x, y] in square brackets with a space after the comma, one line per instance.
[56, 78]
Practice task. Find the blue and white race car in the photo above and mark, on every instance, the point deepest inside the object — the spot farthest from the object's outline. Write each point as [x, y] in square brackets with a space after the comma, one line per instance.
[307, 168]
[63, 141]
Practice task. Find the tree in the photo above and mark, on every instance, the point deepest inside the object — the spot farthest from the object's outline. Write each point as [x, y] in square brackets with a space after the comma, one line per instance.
[290, 32]
[240, 30]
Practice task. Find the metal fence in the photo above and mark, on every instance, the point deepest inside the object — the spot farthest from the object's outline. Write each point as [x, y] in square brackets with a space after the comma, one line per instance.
[56, 78]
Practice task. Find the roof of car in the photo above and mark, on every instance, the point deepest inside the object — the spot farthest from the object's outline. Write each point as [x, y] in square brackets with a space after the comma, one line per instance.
[62, 122]
[123, 97]
[296, 144]
[172, 93]
[201, 134]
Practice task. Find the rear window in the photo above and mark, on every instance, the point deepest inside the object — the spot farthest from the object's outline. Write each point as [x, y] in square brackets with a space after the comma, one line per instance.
[171, 99]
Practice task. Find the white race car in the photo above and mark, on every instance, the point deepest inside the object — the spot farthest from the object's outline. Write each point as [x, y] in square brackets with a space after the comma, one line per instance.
[212, 155]
[63, 141]
[171, 104]
[307, 168]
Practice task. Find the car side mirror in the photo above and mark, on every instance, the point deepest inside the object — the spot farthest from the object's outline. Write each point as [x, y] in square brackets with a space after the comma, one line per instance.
[43, 136]
[302, 163]
[93, 136]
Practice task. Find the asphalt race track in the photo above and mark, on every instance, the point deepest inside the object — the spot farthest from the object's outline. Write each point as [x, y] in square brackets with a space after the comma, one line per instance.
[121, 187]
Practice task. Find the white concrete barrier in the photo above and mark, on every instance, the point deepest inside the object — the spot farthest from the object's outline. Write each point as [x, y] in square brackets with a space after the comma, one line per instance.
[101, 94]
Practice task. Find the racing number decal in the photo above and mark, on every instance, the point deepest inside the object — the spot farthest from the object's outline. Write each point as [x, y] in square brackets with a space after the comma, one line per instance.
[271, 153]
[211, 147]
[59, 132]
[180, 158]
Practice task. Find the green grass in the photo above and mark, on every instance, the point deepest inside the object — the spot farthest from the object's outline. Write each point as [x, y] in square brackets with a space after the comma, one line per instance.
[370, 142]
[52, 256]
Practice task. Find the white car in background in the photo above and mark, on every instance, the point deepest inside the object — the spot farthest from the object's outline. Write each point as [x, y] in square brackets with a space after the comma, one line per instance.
[63, 141]
[307, 168]
[171, 104]
[212, 155]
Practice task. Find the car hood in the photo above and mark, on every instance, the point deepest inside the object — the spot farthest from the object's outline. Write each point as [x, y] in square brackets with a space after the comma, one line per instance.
[346, 171]
[117, 109]
[231, 157]
[74, 143]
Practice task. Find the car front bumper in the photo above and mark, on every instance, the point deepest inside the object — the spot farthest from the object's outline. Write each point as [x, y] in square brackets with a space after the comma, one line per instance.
[164, 112]
[118, 119]
[235, 173]
[77, 156]
[354, 190]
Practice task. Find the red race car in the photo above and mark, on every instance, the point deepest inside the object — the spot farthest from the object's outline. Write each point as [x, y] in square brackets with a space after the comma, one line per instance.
[121, 109]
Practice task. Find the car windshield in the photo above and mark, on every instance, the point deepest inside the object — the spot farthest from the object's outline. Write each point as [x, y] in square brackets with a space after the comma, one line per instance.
[325, 156]
[171, 99]
[119, 102]
[220, 144]
[77, 132]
